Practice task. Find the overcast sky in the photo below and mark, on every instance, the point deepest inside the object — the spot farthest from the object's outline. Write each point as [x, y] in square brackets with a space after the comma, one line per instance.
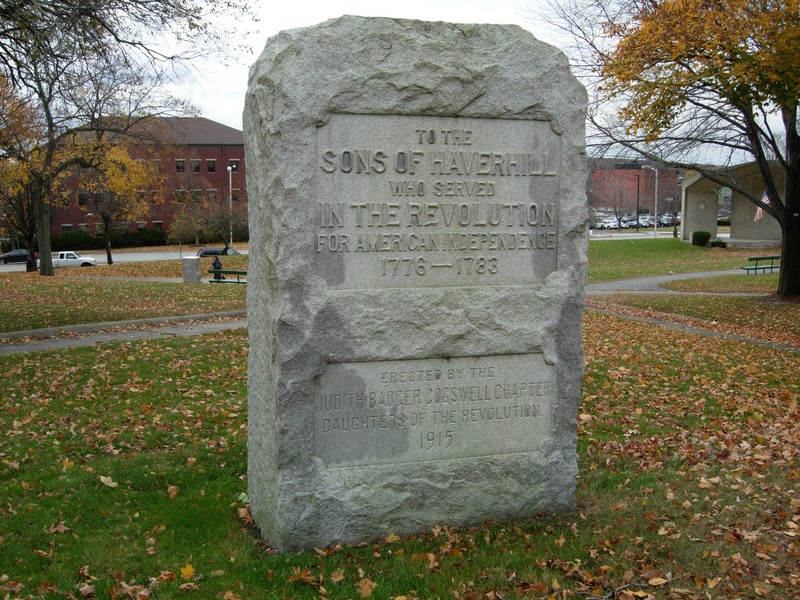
[219, 91]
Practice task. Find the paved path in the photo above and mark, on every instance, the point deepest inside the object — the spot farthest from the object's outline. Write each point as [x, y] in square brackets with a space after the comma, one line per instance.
[57, 338]
[651, 284]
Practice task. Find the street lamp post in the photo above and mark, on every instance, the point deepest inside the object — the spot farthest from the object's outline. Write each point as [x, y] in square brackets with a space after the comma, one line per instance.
[675, 212]
[655, 207]
[230, 204]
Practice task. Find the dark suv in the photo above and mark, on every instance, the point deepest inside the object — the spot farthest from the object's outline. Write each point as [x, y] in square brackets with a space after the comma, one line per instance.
[217, 252]
[13, 256]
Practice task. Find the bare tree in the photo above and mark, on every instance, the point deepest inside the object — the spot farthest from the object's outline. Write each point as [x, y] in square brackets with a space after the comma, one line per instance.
[92, 68]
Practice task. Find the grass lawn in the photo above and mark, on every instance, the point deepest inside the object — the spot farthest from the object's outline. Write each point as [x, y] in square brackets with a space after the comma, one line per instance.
[34, 302]
[621, 259]
[123, 466]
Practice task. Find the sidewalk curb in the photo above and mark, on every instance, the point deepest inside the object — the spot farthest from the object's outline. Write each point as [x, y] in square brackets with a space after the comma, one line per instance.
[48, 332]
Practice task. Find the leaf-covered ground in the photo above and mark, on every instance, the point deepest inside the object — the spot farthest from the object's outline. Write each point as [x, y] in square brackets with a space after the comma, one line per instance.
[32, 302]
[727, 284]
[124, 468]
[762, 318]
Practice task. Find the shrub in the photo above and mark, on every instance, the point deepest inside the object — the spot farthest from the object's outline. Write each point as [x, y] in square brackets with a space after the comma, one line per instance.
[76, 240]
[718, 244]
[140, 237]
[700, 238]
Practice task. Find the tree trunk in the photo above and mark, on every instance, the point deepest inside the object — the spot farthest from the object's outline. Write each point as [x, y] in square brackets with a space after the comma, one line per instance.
[43, 233]
[107, 239]
[30, 265]
[789, 280]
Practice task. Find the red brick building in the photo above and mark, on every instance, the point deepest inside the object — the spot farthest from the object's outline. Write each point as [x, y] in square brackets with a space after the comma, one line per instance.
[629, 188]
[194, 161]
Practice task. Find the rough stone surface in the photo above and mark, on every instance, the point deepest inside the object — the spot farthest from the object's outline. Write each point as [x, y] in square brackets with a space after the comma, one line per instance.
[417, 264]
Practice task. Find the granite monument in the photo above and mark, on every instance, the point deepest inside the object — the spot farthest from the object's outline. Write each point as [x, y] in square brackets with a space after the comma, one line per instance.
[417, 261]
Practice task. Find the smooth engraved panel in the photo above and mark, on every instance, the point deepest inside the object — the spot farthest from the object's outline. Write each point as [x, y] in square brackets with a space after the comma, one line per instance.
[387, 412]
[435, 201]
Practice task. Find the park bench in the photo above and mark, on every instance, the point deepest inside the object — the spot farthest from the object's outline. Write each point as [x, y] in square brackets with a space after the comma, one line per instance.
[762, 263]
[220, 276]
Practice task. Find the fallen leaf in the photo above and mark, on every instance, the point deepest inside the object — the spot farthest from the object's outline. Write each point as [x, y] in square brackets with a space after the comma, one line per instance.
[337, 576]
[764, 589]
[107, 481]
[392, 538]
[187, 572]
[303, 575]
[172, 491]
[60, 528]
[365, 587]
[190, 586]
[244, 515]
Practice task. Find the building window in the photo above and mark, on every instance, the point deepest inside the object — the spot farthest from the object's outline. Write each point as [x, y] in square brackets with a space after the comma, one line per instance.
[197, 196]
[195, 165]
[211, 193]
[158, 225]
[66, 227]
[83, 198]
[234, 164]
[155, 197]
[180, 165]
[235, 195]
[141, 225]
[211, 165]
[180, 196]
[83, 227]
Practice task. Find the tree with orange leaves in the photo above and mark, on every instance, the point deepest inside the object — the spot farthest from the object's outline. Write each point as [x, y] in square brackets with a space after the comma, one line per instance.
[691, 82]
[114, 187]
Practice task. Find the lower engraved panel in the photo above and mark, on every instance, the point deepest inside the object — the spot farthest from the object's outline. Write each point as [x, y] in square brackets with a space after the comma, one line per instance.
[387, 412]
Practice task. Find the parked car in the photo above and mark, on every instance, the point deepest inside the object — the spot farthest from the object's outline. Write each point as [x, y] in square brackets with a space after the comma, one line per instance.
[73, 259]
[609, 223]
[645, 221]
[666, 220]
[14, 256]
[217, 252]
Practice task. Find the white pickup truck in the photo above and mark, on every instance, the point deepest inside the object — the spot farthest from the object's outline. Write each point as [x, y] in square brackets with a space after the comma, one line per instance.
[73, 259]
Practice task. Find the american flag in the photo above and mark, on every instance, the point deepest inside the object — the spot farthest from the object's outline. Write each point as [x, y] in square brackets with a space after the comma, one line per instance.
[759, 210]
